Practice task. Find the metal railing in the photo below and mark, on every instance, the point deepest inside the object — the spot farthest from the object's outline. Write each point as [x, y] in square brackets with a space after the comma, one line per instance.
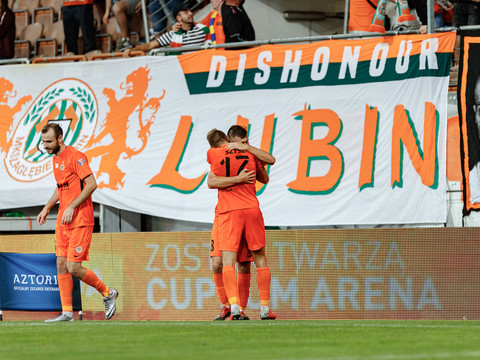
[15, 61]
[305, 39]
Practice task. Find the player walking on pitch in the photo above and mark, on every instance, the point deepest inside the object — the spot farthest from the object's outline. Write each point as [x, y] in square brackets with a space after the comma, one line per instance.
[74, 227]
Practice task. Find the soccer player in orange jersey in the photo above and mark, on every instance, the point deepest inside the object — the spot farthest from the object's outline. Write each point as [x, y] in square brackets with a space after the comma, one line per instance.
[74, 227]
[239, 214]
[236, 134]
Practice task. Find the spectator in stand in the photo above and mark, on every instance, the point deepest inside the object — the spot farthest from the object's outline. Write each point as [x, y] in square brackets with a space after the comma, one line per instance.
[393, 13]
[443, 9]
[420, 7]
[214, 22]
[7, 31]
[184, 32]
[159, 18]
[78, 14]
[228, 22]
[122, 9]
[361, 13]
[237, 26]
[466, 12]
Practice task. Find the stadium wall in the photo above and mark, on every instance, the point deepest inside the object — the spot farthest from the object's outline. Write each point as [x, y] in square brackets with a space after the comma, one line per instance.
[423, 273]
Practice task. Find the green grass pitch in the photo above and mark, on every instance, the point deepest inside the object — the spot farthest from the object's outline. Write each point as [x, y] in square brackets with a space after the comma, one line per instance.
[287, 339]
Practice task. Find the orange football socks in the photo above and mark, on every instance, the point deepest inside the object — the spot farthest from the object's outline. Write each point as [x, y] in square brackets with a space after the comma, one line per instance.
[222, 295]
[93, 280]
[230, 283]
[65, 285]
[243, 289]
[263, 282]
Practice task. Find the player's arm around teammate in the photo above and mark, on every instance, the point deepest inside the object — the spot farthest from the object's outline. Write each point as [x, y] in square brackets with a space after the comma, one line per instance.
[263, 156]
[220, 182]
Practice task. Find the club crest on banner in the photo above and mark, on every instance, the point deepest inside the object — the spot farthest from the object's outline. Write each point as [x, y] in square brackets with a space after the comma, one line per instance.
[71, 104]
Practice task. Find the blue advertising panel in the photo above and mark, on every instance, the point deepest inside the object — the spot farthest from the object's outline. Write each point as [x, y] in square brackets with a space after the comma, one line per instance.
[28, 282]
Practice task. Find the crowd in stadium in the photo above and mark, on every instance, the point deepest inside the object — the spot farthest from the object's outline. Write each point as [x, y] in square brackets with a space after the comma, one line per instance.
[48, 28]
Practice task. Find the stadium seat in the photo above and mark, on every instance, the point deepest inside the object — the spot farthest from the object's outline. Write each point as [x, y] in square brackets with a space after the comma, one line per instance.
[28, 38]
[28, 5]
[45, 48]
[56, 5]
[104, 42]
[44, 15]
[22, 49]
[22, 19]
[54, 41]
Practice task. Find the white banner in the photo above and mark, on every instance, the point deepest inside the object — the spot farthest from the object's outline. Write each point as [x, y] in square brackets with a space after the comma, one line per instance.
[358, 128]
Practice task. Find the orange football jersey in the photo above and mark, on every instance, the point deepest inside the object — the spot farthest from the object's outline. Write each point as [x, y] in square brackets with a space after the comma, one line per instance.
[228, 163]
[69, 169]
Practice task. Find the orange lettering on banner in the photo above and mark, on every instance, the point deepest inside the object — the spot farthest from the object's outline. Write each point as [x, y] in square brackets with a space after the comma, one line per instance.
[370, 137]
[169, 177]
[267, 144]
[243, 122]
[403, 133]
[322, 149]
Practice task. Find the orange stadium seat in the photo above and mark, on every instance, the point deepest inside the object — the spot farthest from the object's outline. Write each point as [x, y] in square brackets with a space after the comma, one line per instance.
[28, 5]
[54, 41]
[28, 38]
[104, 42]
[22, 49]
[56, 5]
[22, 19]
[44, 15]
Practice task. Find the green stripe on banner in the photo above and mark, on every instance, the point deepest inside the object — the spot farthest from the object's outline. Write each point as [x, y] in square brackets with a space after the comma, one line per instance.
[197, 82]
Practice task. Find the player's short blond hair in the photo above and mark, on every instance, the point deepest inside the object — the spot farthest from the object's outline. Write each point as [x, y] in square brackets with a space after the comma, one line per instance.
[216, 137]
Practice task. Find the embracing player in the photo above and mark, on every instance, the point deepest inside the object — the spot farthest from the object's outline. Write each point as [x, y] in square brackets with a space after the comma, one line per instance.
[239, 215]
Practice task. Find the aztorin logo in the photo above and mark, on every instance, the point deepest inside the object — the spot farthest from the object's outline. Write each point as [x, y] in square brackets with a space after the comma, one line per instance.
[68, 102]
